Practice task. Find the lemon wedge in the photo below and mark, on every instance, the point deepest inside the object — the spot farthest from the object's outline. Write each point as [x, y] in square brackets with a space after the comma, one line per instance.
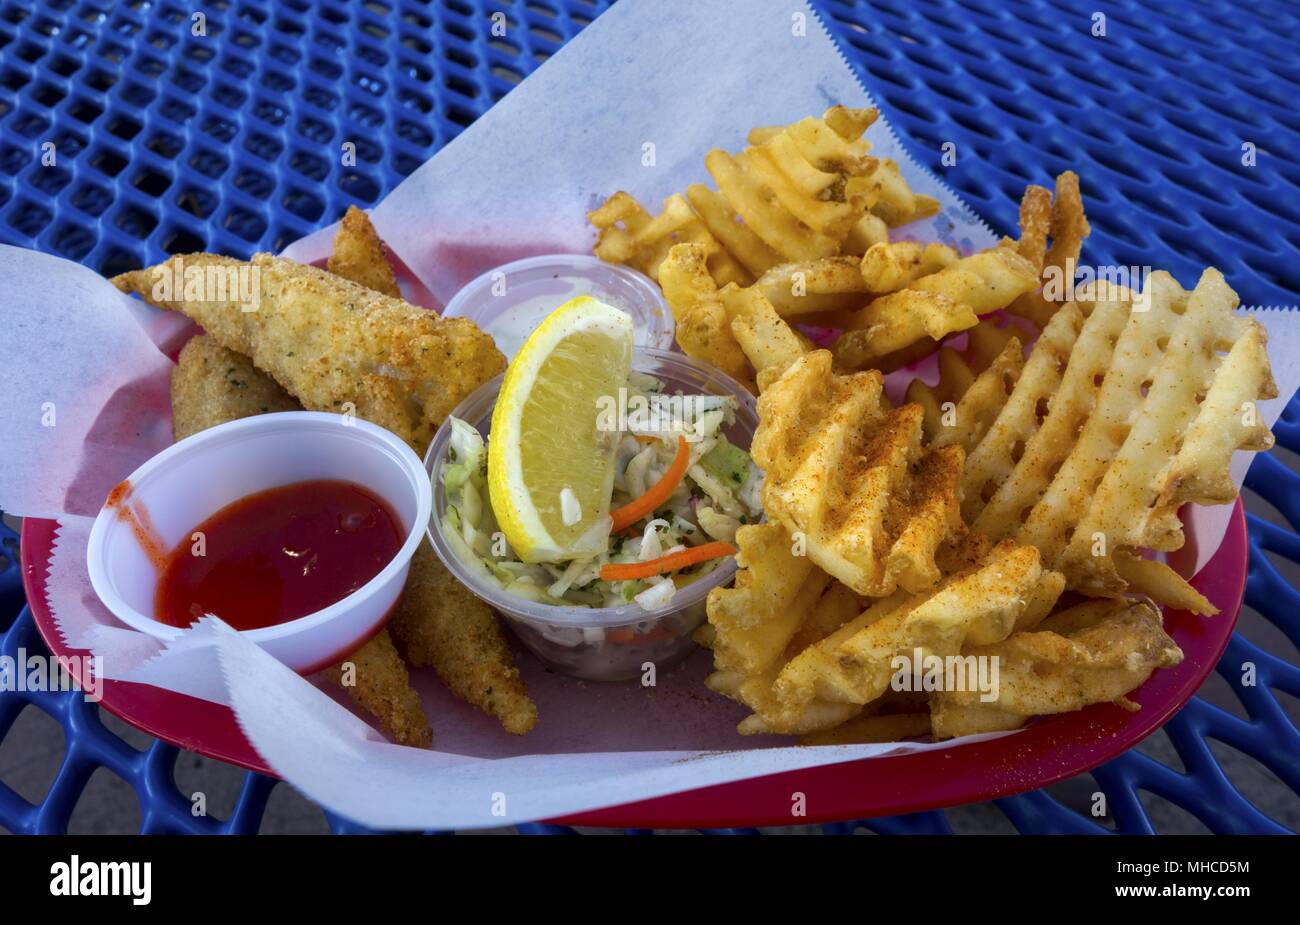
[550, 467]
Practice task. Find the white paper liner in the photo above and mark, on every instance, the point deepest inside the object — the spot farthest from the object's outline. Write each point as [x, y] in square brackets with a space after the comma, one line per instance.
[518, 182]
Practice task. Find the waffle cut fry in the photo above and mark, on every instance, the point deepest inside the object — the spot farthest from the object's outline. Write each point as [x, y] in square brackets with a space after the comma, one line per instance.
[1125, 410]
[780, 604]
[1062, 218]
[934, 306]
[847, 474]
[830, 291]
[987, 343]
[1096, 652]
[628, 234]
[855, 664]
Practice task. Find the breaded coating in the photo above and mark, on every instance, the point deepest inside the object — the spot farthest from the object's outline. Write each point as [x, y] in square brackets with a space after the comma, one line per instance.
[333, 344]
[440, 623]
[382, 686]
[359, 255]
[212, 385]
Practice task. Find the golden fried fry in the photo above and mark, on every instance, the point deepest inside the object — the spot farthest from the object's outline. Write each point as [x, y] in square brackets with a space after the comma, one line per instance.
[359, 255]
[731, 328]
[1068, 227]
[828, 284]
[894, 201]
[987, 343]
[848, 474]
[1047, 672]
[752, 622]
[889, 267]
[629, 235]
[798, 193]
[336, 345]
[1121, 415]
[381, 685]
[768, 342]
[1162, 584]
[737, 239]
[439, 623]
[755, 620]
[935, 306]
[212, 385]
[980, 606]
[703, 327]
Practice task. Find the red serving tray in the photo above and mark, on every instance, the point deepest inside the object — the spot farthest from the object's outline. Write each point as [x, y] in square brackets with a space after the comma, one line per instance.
[1050, 750]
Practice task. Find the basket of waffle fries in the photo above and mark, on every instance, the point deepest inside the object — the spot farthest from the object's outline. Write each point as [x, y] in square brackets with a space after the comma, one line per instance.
[912, 513]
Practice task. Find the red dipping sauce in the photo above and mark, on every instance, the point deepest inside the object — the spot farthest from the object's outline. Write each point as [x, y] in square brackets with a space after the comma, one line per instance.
[278, 555]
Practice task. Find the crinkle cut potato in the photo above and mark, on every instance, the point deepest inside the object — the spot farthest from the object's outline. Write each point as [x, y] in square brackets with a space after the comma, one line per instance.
[803, 191]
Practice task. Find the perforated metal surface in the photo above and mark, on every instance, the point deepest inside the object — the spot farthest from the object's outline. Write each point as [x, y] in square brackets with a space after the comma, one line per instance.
[168, 142]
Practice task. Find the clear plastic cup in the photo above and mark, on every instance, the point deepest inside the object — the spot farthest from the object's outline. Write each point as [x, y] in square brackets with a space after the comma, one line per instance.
[509, 302]
[598, 643]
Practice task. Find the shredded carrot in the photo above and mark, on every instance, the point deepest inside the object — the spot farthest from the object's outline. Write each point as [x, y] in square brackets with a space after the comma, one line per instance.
[646, 505]
[625, 571]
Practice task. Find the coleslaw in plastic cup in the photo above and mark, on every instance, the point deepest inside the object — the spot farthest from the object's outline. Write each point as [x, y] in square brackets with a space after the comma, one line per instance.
[597, 643]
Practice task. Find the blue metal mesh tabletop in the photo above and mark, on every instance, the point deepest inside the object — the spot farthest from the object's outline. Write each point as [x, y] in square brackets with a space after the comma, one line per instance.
[1179, 119]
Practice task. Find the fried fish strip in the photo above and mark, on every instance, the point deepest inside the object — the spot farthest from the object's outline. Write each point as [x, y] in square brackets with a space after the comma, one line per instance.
[359, 255]
[382, 686]
[212, 385]
[334, 344]
[440, 623]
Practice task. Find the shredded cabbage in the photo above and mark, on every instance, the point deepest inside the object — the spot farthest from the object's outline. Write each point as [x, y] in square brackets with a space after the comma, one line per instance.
[720, 491]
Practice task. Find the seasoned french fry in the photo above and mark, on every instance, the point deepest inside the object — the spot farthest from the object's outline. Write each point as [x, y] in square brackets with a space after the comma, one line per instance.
[1046, 672]
[890, 267]
[628, 234]
[981, 606]
[828, 284]
[1119, 417]
[848, 473]
[935, 306]
[1063, 216]
[732, 328]
[798, 193]
[986, 345]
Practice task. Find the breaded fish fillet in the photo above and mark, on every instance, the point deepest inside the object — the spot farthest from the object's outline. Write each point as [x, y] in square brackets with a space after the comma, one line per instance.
[440, 623]
[212, 385]
[359, 255]
[333, 344]
[382, 686]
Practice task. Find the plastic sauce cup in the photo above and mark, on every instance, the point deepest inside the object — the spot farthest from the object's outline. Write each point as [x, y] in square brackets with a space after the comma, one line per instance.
[598, 643]
[510, 301]
[191, 480]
